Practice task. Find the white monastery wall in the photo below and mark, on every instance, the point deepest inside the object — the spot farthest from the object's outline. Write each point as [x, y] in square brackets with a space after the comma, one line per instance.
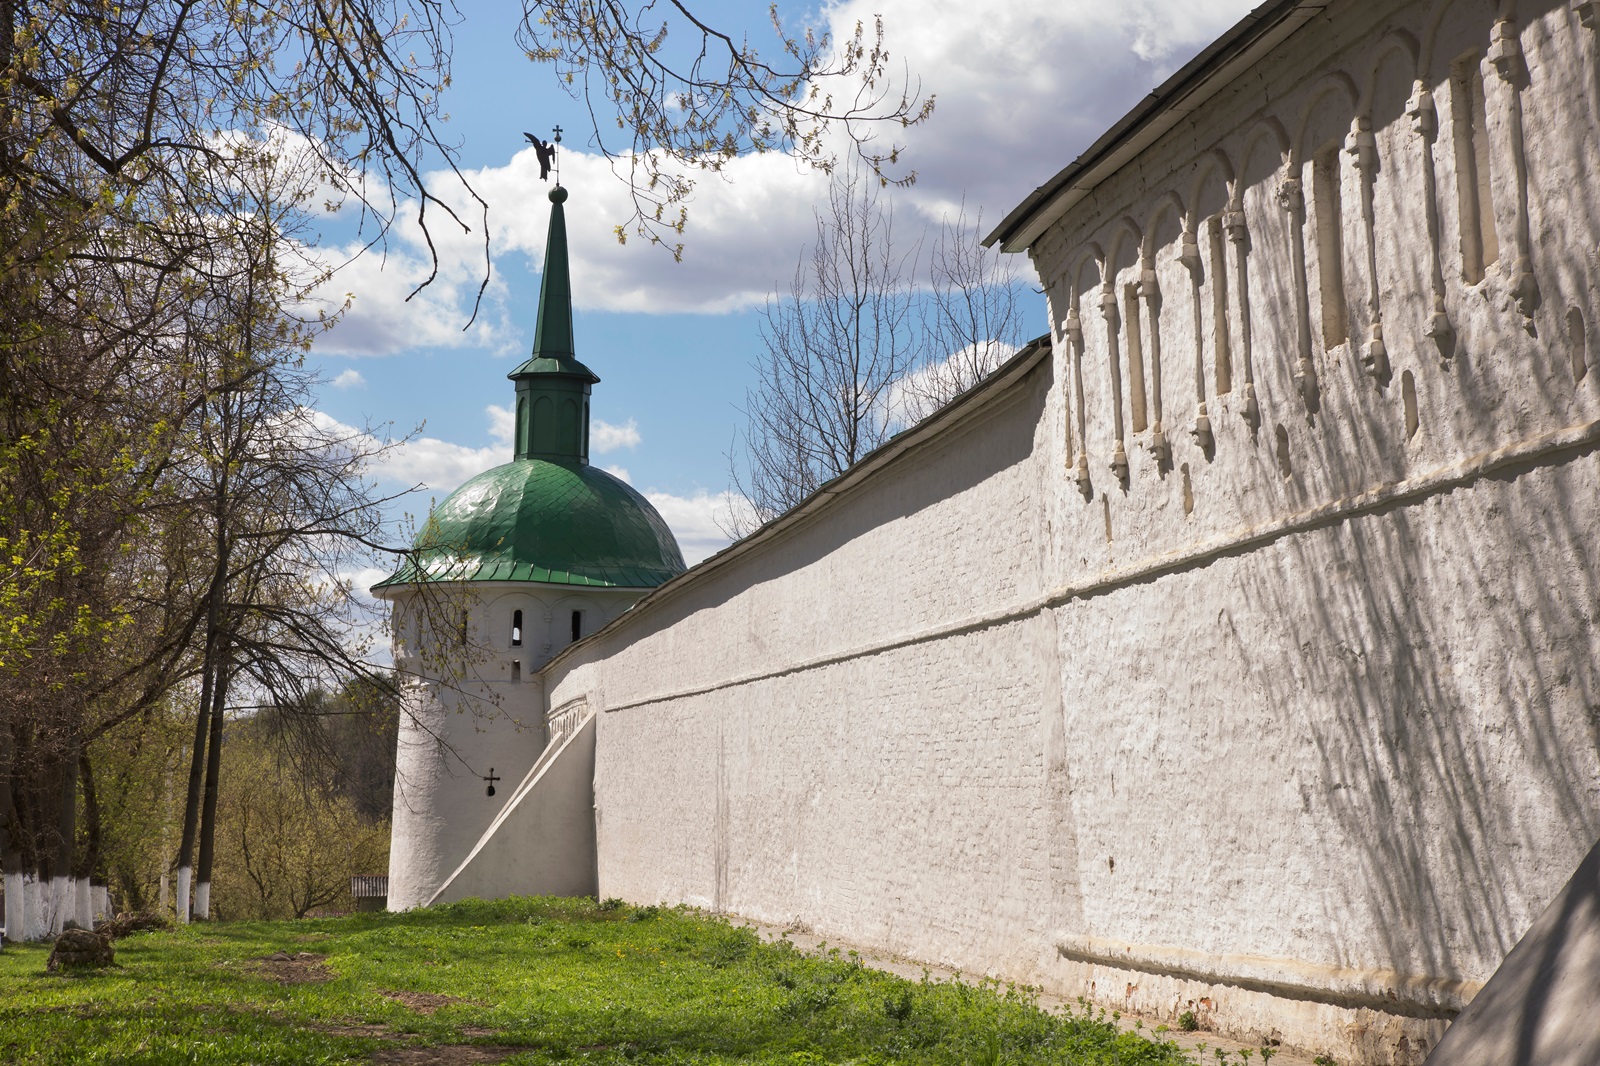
[1296, 725]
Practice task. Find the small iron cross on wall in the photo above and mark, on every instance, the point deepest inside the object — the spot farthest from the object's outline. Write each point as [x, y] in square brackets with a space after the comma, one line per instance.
[491, 779]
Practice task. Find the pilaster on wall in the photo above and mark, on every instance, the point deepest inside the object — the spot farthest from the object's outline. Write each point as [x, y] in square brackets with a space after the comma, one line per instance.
[1434, 364]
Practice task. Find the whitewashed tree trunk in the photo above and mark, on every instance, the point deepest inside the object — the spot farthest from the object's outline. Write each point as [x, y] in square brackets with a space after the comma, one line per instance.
[58, 905]
[184, 874]
[202, 901]
[16, 924]
[83, 903]
[100, 902]
[33, 919]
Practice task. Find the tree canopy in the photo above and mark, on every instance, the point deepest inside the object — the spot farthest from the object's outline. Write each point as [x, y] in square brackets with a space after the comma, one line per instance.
[176, 523]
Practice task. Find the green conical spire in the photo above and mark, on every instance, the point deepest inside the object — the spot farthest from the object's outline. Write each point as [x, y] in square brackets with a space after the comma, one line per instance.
[553, 338]
[552, 386]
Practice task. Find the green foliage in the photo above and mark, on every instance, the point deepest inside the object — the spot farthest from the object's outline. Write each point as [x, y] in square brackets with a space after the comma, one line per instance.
[286, 843]
[1188, 1022]
[139, 774]
[561, 980]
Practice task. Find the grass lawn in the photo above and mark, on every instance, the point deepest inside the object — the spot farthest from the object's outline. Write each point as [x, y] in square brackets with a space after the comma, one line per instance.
[524, 982]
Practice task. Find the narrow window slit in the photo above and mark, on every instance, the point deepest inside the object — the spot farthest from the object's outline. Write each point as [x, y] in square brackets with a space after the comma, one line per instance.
[1577, 344]
[516, 629]
[1408, 393]
[577, 625]
[1283, 453]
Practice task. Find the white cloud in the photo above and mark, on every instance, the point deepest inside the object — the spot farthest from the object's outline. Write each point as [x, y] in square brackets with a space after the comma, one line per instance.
[349, 379]
[438, 466]
[619, 472]
[931, 386]
[502, 424]
[604, 437]
[695, 520]
[1022, 88]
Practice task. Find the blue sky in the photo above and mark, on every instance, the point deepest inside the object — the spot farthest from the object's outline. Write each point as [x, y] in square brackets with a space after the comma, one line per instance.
[1022, 88]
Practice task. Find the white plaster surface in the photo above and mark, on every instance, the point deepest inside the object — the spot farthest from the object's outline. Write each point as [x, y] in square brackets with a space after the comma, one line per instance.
[1300, 730]
[1301, 739]
[465, 715]
[542, 842]
[16, 923]
[34, 923]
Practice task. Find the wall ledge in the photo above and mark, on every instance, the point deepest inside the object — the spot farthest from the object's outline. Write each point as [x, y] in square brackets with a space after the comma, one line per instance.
[1383, 990]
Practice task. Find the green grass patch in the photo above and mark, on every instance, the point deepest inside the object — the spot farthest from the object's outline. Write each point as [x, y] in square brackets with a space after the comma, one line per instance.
[549, 980]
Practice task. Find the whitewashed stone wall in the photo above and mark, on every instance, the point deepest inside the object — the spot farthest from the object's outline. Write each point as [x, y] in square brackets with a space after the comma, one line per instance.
[473, 707]
[1295, 723]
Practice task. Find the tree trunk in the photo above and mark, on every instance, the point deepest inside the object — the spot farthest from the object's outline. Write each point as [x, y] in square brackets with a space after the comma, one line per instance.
[208, 821]
[63, 895]
[10, 842]
[191, 804]
[208, 685]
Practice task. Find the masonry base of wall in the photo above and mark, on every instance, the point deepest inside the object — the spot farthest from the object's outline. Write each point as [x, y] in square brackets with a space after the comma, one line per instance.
[1347, 1028]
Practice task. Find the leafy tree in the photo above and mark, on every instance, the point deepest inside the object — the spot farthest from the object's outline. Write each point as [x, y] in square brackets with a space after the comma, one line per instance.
[170, 511]
[288, 844]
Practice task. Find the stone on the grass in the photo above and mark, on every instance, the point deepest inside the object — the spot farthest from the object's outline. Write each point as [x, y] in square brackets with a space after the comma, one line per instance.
[80, 949]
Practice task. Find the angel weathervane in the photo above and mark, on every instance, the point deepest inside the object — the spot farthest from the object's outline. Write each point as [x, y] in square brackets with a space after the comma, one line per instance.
[546, 150]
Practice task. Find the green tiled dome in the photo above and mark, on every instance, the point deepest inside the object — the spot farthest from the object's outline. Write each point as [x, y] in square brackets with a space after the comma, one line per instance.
[563, 523]
[547, 515]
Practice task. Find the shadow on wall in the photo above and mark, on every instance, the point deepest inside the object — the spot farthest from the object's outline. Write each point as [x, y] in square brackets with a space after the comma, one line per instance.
[1457, 638]
[1447, 644]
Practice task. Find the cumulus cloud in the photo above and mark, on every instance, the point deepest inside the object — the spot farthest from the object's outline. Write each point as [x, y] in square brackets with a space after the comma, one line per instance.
[502, 424]
[1022, 88]
[349, 379]
[931, 386]
[697, 520]
[604, 437]
[620, 472]
[435, 465]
